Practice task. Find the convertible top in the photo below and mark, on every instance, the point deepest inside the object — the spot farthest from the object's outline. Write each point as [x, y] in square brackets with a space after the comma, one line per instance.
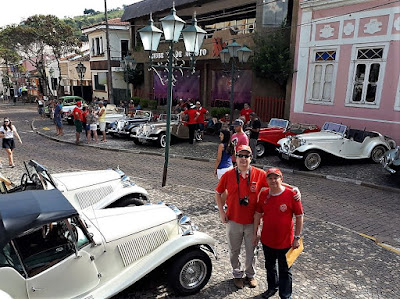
[21, 211]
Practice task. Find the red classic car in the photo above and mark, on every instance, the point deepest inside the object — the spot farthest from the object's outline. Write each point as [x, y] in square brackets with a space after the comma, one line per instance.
[278, 129]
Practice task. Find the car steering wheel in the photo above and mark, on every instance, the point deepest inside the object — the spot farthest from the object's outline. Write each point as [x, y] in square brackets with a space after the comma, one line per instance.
[36, 181]
[24, 181]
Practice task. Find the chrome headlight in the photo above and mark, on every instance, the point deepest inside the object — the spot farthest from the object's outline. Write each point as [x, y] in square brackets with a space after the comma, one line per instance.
[152, 127]
[141, 126]
[184, 222]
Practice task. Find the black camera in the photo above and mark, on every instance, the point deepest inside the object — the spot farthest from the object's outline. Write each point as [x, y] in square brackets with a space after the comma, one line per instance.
[244, 201]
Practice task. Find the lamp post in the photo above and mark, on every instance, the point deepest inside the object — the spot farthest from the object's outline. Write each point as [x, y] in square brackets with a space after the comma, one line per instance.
[128, 63]
[234, 53]
[81, 70]
[193, 37]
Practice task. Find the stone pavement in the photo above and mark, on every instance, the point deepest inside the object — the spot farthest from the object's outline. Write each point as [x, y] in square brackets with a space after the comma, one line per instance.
[338, 261]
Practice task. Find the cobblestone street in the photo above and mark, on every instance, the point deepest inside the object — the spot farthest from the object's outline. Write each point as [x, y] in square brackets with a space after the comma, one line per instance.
[352, 242]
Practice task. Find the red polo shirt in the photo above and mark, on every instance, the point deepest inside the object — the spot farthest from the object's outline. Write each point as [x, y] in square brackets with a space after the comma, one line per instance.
[239, 213]
[200, 115]
[246, 113]
[192, 115]
[277, 231]
[77, 112]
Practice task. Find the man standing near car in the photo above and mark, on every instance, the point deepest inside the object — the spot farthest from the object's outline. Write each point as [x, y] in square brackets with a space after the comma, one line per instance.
[254, 129]
[191, 121]
[78, 117]
[200, 112]
[102, 120]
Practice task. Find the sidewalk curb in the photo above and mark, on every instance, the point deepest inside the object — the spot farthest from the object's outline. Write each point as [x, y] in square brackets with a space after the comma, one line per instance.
[265, 167]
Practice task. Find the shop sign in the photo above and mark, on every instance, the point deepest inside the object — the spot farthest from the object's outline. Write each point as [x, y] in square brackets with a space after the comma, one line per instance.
[178, 54]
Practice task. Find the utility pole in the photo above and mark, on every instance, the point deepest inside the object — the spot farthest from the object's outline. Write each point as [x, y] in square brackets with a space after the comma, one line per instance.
[109, 75]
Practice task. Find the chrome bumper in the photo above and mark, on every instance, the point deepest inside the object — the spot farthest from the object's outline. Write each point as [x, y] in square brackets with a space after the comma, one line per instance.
[286, 155]
[144, 137]
[118, 132]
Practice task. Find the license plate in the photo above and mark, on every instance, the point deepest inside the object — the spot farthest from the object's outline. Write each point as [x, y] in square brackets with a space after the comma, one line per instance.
[285, 156]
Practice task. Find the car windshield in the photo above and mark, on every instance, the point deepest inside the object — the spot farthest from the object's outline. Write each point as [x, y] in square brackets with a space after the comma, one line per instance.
[163, 117]
[280, 123]
[35, 169]
[141, 113]
[333, 127]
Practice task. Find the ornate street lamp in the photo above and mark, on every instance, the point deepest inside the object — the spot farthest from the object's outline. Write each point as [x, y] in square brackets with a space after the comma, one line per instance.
[128, 63]
[193, 37]
[235, 53]
[81, 70]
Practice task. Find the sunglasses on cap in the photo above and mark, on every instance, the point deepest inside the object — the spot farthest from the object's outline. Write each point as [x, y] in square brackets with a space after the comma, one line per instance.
[243, 156]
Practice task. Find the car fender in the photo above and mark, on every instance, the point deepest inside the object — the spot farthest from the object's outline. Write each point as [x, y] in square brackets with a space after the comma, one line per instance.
[156, 258]
[373, 142]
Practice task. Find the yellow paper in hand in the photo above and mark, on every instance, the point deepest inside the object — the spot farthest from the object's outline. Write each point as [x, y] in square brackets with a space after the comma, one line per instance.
[292, 254]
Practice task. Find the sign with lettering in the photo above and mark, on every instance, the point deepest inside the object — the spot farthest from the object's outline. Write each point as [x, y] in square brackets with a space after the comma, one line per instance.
[178, 54]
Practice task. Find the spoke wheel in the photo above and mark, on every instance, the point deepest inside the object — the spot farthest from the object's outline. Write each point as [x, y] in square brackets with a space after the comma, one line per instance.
[260, 149]
[312, 160]
[377, 153]
[162, 140]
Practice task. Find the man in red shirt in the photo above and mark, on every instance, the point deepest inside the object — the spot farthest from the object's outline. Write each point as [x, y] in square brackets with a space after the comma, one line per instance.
[246, 112]
[239, 137]
[78, 118]
[200, 112]
[243, 184]
[276, 205]
[192, 122]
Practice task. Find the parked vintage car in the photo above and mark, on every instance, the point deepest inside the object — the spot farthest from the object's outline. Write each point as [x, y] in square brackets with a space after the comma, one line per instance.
[68, 104]
[156, 131]
[95, 189]
[50, 250]
[125, 125]
[391, 160]
[278, 129]
[336, 140]
[113, 114]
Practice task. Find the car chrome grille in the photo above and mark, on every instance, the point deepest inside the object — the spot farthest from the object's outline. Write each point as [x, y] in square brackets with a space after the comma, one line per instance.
[120, 125]
[91, 197]
[134, 249]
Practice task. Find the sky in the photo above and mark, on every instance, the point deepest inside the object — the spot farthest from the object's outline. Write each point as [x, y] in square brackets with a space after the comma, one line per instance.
[14, 11]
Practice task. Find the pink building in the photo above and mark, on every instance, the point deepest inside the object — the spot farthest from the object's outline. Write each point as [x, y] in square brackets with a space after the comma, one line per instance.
[347, 64]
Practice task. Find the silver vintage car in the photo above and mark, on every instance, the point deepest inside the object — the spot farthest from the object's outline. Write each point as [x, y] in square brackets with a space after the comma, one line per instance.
[334, 140]
[156, 132]
[391, 160]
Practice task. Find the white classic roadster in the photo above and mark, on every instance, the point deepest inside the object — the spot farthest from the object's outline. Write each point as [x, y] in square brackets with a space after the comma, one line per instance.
[50, 250]
[95, 189]
[335, 140]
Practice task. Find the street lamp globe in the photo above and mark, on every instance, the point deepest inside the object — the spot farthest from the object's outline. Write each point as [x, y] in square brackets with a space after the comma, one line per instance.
[244, 54]
[172, 26]
[150, 36]
[129, 63]
[233, 48]
[224, 56]
[80, 69]
[193, 37]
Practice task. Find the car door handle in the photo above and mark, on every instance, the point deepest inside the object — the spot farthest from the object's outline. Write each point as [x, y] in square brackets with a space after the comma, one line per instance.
[34, 289]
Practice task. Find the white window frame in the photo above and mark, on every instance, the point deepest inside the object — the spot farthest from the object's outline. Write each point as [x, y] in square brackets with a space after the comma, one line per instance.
[312, 64]
[397, 99]
[352, 71]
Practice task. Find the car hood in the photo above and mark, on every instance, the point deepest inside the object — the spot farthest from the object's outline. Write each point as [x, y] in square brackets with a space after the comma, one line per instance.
[118, 223]
[80, 179]
[319, 136]
[271, 130]
[68, 108]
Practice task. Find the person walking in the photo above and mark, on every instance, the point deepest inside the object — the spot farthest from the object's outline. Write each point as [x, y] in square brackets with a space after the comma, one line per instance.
[7, 132]
[191, 122]
[239, 137]
[58, 119]
[200, 113]
[254, 129]
[102, 120]
[78, 117]
[92, 120]
[277, 206]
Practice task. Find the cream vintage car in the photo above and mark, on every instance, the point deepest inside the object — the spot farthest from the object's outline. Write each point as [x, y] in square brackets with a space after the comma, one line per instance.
[50, 250]
[156, 132]
[95, 189]
[334, 140]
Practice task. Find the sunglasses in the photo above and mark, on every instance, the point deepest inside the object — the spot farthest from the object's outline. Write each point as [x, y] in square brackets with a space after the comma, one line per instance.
[6, 121]
[243, 156]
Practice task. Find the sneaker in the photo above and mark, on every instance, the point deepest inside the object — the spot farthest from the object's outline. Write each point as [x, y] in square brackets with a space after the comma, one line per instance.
[11, 166]
[252, 282]
[238, 283]
[269, 293]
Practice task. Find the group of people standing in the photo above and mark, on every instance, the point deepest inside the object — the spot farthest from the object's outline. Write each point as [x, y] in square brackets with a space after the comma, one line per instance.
[245, 195]
[86, 119]
[195, 118]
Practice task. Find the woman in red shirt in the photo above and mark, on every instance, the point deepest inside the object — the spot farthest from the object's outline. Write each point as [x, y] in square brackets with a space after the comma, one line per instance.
[192, 122]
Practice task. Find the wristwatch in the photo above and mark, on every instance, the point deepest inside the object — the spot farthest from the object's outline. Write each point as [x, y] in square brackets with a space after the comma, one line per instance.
[297, 237]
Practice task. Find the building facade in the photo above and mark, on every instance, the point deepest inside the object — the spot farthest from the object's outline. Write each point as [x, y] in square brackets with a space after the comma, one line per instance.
[347, 64]
[119, 48]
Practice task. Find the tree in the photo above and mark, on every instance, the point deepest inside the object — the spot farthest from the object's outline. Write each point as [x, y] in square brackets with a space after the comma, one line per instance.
[89, 11]
[272, 58]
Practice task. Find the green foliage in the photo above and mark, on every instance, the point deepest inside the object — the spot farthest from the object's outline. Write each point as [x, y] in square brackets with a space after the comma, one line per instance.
[272, 57]
[218, 112]
[136, 76]
[136, 100]
[153, 104]
[144, 103]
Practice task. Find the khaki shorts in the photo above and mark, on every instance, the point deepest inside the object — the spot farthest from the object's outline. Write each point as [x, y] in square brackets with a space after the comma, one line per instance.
[102, 126]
